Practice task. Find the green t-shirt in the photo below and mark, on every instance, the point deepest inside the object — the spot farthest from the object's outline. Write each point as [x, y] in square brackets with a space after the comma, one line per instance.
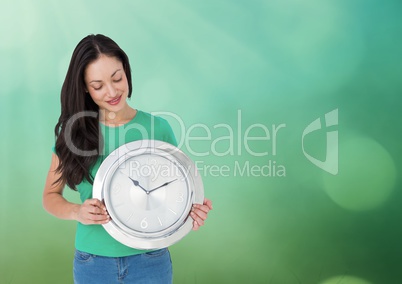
[94, 238]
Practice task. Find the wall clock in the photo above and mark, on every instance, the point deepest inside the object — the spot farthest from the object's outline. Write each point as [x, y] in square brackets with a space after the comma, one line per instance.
[148, 188]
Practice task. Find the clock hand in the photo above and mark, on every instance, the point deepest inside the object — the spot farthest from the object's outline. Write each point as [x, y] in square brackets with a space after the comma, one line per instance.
[165, 184]
[136, 183]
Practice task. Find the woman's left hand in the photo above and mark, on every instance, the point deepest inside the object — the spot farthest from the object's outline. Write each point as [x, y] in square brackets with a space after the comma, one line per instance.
[199, 213]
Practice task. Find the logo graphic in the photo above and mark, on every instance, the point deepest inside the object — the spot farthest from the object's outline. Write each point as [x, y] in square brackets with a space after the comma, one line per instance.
[330, 164]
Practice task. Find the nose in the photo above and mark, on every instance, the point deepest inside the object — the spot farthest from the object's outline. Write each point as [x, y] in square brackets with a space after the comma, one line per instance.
[111, 91]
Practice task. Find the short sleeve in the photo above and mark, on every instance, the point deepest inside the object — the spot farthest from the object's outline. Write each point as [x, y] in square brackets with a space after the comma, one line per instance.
[168, 133]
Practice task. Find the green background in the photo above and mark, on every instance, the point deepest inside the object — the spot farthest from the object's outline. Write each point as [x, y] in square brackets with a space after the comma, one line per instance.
[278, 62]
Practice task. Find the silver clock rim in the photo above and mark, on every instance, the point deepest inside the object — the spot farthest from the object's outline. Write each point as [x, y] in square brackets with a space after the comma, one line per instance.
[112, 169]
[183, 225]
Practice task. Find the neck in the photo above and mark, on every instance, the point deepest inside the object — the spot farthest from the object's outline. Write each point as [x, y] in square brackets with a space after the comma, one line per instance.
[111, 118]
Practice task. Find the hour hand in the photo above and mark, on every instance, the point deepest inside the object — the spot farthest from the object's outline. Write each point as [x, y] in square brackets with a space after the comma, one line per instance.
[136, 183]
[165, 184]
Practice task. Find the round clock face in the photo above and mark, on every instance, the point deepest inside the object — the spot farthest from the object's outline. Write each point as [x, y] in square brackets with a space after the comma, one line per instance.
[148, 188]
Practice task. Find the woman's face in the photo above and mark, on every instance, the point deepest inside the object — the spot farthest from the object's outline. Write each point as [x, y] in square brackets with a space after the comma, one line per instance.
[107, 84]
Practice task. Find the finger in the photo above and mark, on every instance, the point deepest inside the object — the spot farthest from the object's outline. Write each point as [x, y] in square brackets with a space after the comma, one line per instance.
[94, 206]
[99, 218]
[195, 226]
[96, 219]
[208, 203]
[96, 202]
[197, 219]
[96, 210]
[203, 208]
[89, 212]
[200, 213]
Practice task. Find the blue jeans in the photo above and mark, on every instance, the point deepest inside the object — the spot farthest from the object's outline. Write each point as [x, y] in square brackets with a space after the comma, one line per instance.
[152, 267]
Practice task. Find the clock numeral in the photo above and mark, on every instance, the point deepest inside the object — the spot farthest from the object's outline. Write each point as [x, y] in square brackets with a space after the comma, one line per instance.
[180, 198]
[144, 223]
[129, 217]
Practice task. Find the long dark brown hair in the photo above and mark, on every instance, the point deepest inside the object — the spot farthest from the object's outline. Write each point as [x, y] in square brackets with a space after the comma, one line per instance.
[78, 138]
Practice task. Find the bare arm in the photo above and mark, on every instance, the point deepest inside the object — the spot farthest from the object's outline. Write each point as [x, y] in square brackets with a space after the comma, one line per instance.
[92, 211]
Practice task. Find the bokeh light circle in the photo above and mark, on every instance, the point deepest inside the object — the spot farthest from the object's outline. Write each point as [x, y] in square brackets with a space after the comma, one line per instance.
[366, 177]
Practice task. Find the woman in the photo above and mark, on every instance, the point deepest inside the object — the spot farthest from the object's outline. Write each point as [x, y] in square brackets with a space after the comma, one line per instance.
[94, 113]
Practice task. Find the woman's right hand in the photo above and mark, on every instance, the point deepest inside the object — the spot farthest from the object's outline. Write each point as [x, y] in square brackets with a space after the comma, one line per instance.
[92, 211]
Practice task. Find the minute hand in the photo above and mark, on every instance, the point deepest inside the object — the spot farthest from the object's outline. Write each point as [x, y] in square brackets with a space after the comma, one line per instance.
[165, 184]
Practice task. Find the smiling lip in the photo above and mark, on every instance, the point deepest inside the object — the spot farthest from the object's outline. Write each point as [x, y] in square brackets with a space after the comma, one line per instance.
[114, 101]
